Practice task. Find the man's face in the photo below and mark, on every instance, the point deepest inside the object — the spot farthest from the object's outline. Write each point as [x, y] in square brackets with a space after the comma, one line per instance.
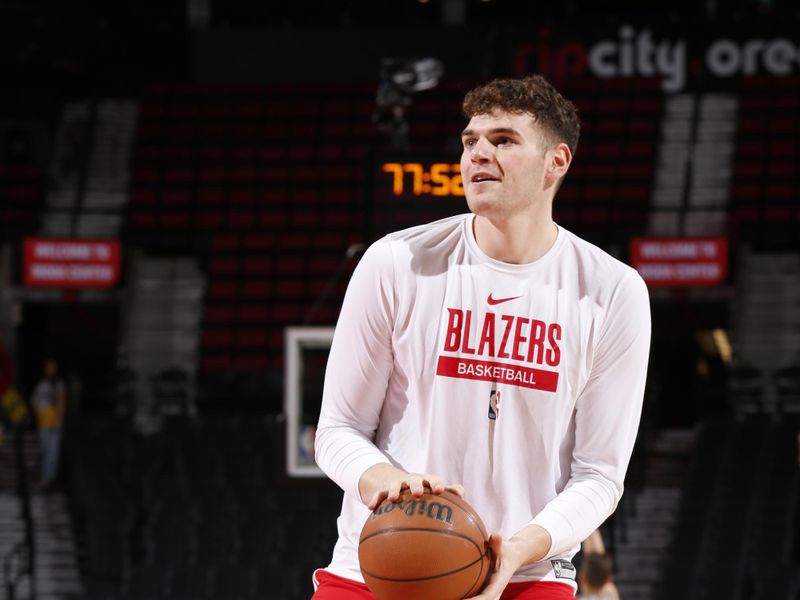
[50, 369]
[502, 163]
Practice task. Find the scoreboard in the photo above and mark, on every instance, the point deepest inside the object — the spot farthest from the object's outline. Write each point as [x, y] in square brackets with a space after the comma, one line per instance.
[410, 191]
[426, 179]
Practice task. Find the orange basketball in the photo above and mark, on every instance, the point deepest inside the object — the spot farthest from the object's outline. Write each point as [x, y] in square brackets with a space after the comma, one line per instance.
[434, 547]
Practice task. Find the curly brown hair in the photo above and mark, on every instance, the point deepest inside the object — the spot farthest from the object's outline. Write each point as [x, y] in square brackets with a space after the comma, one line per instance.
[557, 116]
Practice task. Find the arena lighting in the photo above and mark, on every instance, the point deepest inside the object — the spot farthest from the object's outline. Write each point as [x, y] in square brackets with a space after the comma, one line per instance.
[723, 344]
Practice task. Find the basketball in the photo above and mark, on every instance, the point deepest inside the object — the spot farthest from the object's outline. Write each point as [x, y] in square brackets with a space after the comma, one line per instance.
[434, 547]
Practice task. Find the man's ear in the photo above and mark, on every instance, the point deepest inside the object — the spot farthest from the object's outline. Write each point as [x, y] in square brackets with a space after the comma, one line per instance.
[559, 159]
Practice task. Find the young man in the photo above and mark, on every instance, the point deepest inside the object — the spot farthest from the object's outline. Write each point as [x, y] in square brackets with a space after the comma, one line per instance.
[494, 353]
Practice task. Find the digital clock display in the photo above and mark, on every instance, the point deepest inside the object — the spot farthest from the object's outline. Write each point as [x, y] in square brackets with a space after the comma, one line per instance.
[411, 190]
[419, 179]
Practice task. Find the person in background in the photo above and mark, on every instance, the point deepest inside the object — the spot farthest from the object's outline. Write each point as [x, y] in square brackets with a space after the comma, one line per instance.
[595, 577]
[49, 403]
[6, 378]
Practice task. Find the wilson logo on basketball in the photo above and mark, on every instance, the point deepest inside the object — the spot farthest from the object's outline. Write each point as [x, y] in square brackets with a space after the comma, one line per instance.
[490, 336]
[432, 510]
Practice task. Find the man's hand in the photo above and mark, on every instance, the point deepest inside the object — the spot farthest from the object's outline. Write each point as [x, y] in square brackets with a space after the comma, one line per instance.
[507, 560]
[531, 544]
[383, 481]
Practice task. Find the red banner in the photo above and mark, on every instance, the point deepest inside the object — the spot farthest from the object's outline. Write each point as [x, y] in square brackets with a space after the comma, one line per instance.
[68, 263]
[680, 262]
[510, 374]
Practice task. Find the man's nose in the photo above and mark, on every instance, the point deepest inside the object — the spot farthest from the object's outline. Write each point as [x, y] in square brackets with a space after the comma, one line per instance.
[482, 151]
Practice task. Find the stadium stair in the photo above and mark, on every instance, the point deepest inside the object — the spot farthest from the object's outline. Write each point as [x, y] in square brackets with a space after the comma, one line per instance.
[57, 574]
[643, 536]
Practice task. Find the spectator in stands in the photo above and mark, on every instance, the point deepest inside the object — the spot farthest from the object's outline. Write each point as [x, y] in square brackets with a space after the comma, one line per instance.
[6, 368]
[49, 401]
[13, 410]
[4, 420]
[440, 319]
[595, 577]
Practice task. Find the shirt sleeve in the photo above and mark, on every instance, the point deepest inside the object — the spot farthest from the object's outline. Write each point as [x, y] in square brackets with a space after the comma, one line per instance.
[359, 365]
[607, 414]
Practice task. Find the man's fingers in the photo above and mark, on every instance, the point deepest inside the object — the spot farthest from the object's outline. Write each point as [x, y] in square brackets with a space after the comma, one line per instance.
[417, 484]
[499, 578]
[456, 488]
[393, 492]
[495, 544]
[376, 499]
[491, 591]
[436, 484]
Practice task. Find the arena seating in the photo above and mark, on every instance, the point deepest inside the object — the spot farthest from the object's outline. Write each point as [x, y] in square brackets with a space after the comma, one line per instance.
[200, 510]
[766, 180]
[266, 186]
[269, 185]
[21, 197]
[609, 185]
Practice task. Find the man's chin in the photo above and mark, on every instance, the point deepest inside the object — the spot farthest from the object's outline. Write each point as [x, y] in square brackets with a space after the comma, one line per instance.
[482, 204]
[484, 201]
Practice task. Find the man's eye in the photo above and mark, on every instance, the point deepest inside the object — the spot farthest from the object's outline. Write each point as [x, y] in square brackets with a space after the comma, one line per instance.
[469, 143]
[504, 141]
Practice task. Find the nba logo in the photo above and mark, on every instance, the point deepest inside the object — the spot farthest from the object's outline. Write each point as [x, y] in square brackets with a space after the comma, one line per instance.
[494, 405]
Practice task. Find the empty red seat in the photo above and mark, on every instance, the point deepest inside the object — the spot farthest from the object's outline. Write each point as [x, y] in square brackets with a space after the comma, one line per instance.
[243, 196]
[289, 288]
[249, 338]
[257, 242]
[220, 314]
[174, 220]
[293, 240]
[140, 217]
[210, 220]
[253, 313]
[241, 219]
[210, 174]
[216, 362]
[224, 266]
[251, 361]
[176, 197]
[258, 265]
[284, 312]
[256, 289]
[220, 290]
[217, 338]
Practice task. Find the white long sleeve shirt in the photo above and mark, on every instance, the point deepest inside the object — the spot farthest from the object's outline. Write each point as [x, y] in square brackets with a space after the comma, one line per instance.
[524, 383]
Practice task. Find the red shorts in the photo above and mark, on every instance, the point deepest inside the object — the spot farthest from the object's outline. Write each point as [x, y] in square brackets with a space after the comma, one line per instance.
[333, 587]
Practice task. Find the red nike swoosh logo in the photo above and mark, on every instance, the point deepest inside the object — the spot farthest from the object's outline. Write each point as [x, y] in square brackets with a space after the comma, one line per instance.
[493, 301]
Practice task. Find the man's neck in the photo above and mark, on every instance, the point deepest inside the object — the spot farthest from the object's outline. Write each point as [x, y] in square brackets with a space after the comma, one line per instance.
[518, 240]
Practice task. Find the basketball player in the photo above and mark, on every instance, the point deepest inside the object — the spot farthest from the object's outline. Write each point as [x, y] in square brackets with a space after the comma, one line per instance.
[501, 308]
